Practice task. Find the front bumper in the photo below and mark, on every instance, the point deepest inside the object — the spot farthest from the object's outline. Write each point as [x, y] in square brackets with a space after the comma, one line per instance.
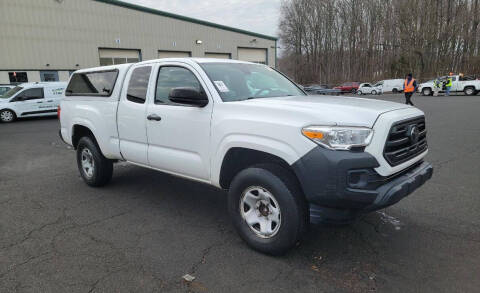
[341, 185]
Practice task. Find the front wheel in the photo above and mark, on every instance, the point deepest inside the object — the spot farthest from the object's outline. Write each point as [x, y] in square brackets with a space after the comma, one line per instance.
[374, 92]
[95, 169]
[359, 93]
[427, 91]
[469, 91]
[7, 116]
[267, 208]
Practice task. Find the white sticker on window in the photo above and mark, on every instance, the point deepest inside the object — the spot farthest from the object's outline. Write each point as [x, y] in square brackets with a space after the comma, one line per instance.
[221, 86]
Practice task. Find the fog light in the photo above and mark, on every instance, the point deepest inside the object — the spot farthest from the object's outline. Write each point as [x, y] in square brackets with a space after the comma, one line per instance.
[357, 178]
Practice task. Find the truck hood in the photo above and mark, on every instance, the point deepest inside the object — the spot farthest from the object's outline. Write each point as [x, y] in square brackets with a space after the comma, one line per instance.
[328, 110]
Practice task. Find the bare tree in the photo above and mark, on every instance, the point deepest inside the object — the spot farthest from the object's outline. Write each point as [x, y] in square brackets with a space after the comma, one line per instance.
[329, 41]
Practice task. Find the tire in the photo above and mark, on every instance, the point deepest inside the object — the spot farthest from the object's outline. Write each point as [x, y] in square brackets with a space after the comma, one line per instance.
[427, 91]
[395, 91]
[7, 116]
[359, 93]
[100, 170]
[374, 92]
[469, 91]
[268, 181]
[353, 91]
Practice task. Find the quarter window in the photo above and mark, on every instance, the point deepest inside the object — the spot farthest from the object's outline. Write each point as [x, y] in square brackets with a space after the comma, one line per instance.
[138, 84]
[100, 83]
[171, 77]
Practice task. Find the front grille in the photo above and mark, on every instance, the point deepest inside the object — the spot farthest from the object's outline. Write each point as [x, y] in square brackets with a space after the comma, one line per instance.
[405, 140]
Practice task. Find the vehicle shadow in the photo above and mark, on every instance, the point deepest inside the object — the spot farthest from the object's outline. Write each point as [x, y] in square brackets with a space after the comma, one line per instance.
[347, 256]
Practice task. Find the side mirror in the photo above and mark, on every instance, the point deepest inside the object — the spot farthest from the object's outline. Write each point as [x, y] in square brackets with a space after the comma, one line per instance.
[188, 96]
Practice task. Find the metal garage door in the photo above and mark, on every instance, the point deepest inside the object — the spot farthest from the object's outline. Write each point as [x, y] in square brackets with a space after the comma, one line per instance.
[173, 54]
[218, 55]
[253, 55]
[118, 56]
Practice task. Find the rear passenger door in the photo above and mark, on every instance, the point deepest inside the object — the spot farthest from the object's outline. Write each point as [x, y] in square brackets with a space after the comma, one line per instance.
[131, 115]
[30, 102]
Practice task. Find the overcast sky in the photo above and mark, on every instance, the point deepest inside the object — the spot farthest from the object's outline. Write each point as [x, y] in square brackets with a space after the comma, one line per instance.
[259, 16]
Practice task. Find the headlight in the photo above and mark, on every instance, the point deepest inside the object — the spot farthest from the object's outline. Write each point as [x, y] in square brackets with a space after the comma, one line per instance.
[338, 137]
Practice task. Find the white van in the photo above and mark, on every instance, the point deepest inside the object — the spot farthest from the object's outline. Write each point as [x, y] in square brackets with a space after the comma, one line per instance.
[391, 85]
[30, 100]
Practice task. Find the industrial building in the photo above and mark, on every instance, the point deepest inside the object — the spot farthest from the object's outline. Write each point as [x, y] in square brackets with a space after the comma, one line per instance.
[46, 40]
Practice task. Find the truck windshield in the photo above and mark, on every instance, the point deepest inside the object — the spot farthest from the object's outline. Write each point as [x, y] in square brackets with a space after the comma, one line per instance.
[11, 92]
[242, 81]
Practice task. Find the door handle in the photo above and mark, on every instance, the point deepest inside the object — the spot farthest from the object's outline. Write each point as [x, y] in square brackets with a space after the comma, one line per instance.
[50, 101]
[39, 102]
[154, 117]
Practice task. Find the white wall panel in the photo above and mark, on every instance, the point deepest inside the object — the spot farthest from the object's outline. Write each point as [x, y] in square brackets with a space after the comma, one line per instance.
[65, 33]
[4, 77]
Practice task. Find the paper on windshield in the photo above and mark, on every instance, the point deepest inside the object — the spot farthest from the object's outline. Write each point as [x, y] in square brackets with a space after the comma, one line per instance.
[221, 86]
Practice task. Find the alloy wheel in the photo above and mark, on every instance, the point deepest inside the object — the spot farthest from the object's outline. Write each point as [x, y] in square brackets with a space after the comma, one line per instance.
[6, 116]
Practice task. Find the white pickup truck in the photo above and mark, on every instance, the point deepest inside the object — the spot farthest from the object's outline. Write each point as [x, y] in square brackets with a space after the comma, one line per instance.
[286, 159]
[459, 84]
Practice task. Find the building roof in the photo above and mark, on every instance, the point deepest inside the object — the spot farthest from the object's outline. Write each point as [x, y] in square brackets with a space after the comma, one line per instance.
[184, 18]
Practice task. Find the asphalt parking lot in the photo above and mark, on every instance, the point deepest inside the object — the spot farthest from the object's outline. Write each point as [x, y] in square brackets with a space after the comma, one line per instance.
[146, 230]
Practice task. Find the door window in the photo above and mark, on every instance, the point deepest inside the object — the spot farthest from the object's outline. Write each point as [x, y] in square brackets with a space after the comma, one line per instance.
[171, 77]
[31, 94]
[138, 84]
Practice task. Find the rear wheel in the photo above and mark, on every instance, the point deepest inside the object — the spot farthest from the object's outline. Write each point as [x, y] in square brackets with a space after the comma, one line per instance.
[95, 169]
[7, 116]
[469, 91]
[395, 91]
[267, 208]
[427, 91]
[353, 91]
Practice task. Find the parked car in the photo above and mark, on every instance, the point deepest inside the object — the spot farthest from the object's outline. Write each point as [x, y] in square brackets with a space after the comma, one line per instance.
[391, 85]
[348, 87]
[287, 159]
[367, 88]
[459, 84]
[5, 88]
[321, 90]
[30, 100]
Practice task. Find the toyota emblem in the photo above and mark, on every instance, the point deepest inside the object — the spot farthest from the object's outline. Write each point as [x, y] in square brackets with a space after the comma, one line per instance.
[413, 133]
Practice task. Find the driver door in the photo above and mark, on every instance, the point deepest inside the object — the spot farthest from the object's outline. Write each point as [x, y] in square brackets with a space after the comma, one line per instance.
[178, 135]
[29, 102]
[367, 88]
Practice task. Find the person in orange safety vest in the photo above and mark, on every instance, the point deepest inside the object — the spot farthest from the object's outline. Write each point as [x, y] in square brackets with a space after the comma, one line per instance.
[409, 87]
